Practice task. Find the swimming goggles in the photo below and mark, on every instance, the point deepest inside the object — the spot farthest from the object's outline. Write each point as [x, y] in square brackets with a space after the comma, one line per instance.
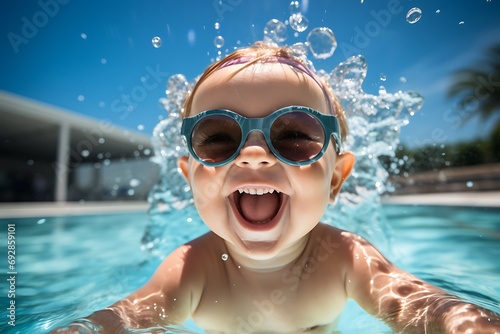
[296, 135]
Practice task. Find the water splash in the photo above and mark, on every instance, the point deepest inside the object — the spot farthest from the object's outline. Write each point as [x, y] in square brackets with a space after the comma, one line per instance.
[374, 121]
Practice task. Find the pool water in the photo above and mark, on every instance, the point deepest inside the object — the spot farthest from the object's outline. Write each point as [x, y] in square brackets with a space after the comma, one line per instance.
[68, 267]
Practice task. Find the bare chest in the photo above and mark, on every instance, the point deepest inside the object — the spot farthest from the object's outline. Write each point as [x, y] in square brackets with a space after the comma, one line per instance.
[293, 301]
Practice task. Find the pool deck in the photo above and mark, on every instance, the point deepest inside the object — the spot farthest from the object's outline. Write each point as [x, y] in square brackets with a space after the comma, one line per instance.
[490, 199]
[49, 209]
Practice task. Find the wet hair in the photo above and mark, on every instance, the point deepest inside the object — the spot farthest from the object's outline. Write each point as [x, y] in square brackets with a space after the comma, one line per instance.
[263, 52]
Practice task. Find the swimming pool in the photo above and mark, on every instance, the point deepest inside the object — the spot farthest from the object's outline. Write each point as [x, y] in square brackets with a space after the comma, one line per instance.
[69, 266]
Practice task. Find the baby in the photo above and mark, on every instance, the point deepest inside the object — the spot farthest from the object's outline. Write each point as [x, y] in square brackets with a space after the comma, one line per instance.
[265, 140]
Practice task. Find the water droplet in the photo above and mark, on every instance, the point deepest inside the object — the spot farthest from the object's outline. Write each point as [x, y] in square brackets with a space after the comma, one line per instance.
[131, 192]
[156, 41]
[219, 41]
[322, 42]
[298, 22]
[102, 140]
[469, 184]
[41, 221]
[134, 183]
[275, 31]
[30, 162]
[413, 15]
[80, 98]
[83, 35]
[103, 61]
[294, 7]
[224, 257]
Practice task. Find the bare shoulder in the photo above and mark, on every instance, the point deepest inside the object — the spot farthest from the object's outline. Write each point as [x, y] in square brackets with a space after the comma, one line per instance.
[190, 261]
[176, 286]
[342, 240]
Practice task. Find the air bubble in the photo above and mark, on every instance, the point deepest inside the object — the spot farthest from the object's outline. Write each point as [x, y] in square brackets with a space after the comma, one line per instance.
[85, 153]
[156, 41]
[298, 22]
[217, 25]
[413, 15]
[140, 127]
[322, 42]
[383, 77]
[469, 184]
[41, 221]
[275, 31]
[219, 41]
[224, 257]
[83, 36]
[80, 98]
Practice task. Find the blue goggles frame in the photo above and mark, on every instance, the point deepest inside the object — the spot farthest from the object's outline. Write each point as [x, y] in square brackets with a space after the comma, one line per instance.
[329, 124]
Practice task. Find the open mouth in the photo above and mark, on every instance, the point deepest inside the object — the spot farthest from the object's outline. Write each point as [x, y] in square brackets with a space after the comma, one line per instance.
[257, 208]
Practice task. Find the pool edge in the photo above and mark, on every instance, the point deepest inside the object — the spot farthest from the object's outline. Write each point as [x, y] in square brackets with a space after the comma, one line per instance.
[54, 209]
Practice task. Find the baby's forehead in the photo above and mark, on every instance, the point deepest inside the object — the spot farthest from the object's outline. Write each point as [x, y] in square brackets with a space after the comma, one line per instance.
[276, 84]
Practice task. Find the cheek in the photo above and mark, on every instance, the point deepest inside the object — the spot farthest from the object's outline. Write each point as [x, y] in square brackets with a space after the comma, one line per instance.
[204, 185]
[312, 187]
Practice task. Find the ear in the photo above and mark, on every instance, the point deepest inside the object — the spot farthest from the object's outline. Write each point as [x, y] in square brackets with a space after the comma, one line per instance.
[183, 164]
[343, 167]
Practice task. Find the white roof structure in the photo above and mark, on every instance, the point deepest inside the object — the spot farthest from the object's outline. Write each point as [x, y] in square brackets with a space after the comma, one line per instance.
[35, 131]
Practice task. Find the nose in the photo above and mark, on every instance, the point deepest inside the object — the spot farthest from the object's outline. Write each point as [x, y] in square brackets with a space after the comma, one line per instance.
[255, 153]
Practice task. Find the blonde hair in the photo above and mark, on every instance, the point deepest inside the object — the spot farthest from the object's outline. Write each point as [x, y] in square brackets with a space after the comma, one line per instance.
[262, 52]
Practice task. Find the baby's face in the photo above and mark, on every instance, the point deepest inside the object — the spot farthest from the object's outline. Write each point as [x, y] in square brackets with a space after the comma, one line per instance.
[259, 205]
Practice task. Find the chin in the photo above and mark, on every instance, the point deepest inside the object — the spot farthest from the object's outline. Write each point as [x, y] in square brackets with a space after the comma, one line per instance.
[261, 250]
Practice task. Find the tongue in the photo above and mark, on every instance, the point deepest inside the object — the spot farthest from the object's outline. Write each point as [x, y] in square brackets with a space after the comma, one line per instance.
[259, 208]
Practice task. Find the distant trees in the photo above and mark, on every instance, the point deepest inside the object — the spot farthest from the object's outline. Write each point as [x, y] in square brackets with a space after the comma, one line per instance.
[478, 92]
[436, 157]
[478, 88]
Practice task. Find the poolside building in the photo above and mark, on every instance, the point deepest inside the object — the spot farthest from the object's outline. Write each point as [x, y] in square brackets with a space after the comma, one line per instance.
[51, 154]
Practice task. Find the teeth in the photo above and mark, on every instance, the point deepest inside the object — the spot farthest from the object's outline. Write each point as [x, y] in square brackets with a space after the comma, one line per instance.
[257, 191]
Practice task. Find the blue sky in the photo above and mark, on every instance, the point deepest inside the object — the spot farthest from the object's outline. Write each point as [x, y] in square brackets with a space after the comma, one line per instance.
[96, 57]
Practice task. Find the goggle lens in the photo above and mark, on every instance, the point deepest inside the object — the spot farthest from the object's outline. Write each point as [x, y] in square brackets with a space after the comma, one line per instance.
[216, 138]
[297, 136]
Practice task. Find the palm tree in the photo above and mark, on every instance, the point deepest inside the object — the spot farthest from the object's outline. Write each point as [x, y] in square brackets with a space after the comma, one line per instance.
[479, 88]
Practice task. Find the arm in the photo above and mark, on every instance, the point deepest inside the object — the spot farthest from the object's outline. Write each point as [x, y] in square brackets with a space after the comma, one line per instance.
[166, 299]
[406, 303]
